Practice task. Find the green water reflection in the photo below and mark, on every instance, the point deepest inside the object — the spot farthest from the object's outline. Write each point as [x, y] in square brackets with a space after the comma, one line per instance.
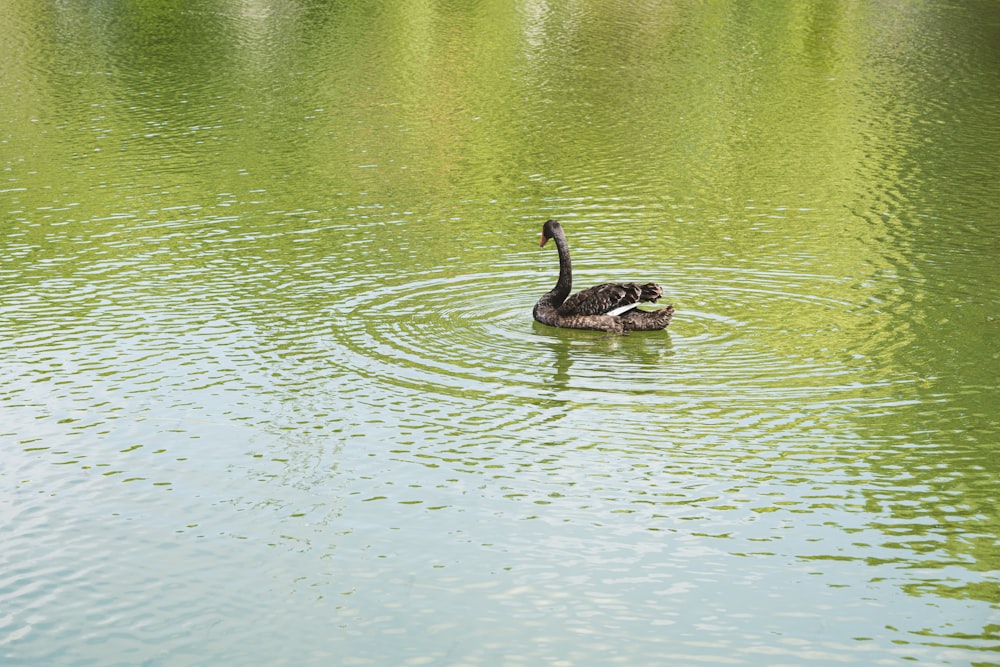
[266, 277]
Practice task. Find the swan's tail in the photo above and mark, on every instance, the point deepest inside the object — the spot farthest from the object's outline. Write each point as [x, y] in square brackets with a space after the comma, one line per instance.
[647, 320]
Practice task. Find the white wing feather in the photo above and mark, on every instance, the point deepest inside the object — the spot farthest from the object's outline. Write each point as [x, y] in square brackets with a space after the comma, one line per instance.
[621, 309]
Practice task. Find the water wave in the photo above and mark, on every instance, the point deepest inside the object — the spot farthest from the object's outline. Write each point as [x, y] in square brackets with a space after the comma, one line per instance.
[472, 335]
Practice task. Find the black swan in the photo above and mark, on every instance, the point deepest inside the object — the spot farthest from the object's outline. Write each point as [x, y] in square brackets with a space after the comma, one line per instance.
[610, 307]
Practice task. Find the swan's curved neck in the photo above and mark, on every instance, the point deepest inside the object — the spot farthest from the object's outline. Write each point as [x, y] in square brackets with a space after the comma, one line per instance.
[564, 285]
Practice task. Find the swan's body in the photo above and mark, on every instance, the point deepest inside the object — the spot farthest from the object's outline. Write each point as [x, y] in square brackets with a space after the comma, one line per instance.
[611, 307]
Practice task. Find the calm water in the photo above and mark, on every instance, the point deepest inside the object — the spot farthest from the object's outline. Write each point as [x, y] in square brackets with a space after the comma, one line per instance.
[271, 390]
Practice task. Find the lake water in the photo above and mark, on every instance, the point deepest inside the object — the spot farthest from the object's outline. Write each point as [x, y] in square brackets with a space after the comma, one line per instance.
[271, 392]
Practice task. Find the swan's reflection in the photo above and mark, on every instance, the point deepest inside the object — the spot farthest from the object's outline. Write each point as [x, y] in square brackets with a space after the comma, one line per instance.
[590, 362]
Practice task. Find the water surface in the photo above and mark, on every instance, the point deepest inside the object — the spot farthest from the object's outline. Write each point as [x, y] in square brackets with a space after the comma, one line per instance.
[272, 393]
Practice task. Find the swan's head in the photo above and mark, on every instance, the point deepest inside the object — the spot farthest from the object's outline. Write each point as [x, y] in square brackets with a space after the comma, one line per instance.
[549, 230]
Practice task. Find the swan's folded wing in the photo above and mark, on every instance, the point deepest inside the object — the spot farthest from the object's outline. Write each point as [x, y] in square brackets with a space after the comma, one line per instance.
[610, 299]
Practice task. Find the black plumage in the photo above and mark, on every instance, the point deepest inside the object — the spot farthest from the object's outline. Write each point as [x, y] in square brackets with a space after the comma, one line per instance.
[611, 307]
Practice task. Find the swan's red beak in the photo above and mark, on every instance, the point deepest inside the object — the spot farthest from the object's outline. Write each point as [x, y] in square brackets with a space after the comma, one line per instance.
[542, 242]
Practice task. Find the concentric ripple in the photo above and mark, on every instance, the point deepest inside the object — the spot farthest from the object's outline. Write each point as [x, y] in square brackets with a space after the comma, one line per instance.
[471, 334]
[467, 332]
